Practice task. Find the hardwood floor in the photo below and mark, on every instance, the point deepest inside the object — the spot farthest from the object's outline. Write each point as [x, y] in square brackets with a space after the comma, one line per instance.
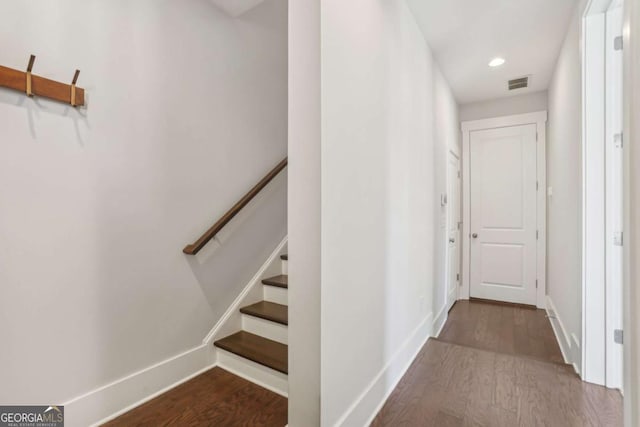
[215, 398]
[502, 328]
[519, 384]
[452, 385]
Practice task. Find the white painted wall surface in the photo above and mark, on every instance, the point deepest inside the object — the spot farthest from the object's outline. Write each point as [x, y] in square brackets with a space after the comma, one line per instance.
[519, 104]
[304, 213]
[236, 8]
[378, 202]
[186, 111]
[564, 175]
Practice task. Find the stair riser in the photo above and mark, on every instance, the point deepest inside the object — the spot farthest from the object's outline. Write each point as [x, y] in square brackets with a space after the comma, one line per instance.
[285, 269]
[254, 372]
[265, 328]
[275, 294]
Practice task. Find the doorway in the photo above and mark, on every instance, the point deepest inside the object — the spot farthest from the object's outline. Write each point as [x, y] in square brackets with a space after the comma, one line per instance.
[603, 234]
[453, 227]
[505, 209]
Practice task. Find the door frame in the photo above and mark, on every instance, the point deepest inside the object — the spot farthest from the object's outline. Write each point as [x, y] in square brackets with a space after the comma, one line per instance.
[595, 138]
[456, 152]
[540, 120]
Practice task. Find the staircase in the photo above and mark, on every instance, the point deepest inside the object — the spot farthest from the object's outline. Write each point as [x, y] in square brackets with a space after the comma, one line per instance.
[259, 352]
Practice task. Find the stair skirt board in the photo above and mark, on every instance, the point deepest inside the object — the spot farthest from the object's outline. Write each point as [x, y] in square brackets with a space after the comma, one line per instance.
[265, 328]
[254, 372]
[274, 294]
[232, 315]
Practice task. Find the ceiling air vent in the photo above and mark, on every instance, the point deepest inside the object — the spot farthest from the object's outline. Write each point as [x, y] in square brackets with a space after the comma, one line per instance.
[519, 83]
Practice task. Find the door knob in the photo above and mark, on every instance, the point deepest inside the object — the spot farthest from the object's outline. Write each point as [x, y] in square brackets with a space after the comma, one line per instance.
[452, 240]
[474, 235]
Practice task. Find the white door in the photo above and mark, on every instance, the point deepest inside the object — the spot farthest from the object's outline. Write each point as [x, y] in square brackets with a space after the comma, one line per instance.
[453, 228]
[503, 214]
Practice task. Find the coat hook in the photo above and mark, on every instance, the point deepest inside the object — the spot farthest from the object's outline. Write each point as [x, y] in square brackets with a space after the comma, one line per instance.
[73, 88]
[32, 59]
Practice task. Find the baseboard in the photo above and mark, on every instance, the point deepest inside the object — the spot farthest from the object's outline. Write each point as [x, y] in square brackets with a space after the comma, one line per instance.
[109, 401]
[256, 281]
[561, 334]
[439, 321]
[367, 405]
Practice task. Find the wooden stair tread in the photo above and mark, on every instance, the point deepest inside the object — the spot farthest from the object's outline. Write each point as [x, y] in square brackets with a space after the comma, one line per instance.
[281, 281]
[266, 352]
[284, 257]
[268, 310]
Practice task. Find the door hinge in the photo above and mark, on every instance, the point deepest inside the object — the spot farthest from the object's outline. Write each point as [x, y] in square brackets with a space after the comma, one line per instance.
[537, 234]
[536, 283]
[459, 174]
[618, 336]
[618, 43]
[536, 136]
[458, 277]
[459, 225]
[537, 185]
[618, 238]
[618, 140]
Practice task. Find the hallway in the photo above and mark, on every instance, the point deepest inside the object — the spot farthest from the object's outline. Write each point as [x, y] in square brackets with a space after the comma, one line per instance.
[496, 365]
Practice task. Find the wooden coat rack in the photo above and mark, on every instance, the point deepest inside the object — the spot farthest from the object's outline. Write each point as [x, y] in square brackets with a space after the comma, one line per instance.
[31, 85]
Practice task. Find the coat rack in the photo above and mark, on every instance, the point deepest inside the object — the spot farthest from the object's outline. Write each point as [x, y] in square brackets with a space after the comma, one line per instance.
[32, 85]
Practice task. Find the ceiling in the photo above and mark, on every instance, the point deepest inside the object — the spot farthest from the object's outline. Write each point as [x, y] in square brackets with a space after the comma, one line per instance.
[465, 35]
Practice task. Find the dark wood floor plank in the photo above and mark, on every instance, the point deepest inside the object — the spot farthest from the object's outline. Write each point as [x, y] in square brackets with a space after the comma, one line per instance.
[214, 398]
[470, 385]
[503, 329]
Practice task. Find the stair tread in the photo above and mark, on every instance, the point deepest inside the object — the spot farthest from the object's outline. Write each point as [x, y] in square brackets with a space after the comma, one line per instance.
[284, 257]
[268, 310]
[281, 281]
[266, 352]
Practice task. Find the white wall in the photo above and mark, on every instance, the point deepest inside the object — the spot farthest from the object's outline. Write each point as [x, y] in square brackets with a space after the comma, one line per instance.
[564, 175]
[519, 104]
[304, 213]
[186, 111]
[378, 202]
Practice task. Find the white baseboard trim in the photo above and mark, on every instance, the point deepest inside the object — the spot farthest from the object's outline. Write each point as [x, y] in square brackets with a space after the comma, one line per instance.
[439, 321]
[256, 280]
[367, 405]
[114, 399]
[109, 401]
[561, 334]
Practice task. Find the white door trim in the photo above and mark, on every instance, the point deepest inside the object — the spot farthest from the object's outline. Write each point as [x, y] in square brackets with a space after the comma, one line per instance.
[595, 236]
[455, 152]
[540, 120]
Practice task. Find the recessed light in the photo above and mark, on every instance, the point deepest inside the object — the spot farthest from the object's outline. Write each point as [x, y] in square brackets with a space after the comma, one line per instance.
[496, 62]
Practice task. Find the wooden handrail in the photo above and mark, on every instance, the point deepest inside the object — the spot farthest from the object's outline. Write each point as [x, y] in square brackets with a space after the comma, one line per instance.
[195, 247]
